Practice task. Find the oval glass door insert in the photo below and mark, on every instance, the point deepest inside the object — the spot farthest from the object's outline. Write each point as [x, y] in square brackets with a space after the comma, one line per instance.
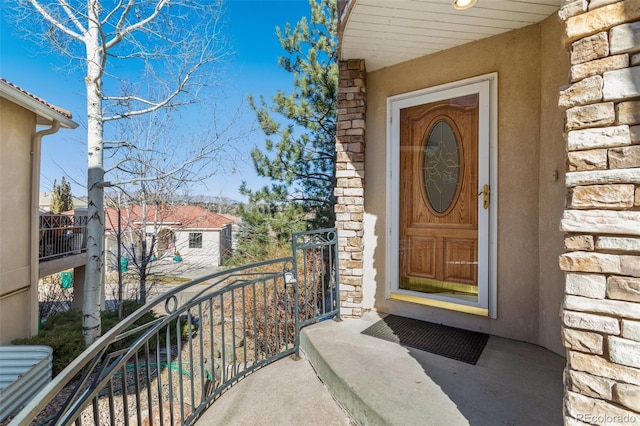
[441, 166]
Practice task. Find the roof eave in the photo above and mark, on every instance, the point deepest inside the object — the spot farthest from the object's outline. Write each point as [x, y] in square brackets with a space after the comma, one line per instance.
[46, 115]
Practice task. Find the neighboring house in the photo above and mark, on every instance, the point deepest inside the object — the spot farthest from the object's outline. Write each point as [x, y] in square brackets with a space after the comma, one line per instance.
[468, 142]
[199, 236]
[45, 199]
[24, 120]
[231, 231]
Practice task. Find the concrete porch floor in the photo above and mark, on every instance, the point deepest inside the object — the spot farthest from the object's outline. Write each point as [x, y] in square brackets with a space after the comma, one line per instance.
[382, 383]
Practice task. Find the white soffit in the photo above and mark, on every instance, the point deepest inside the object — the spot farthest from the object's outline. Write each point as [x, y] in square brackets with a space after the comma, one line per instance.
[386, 33]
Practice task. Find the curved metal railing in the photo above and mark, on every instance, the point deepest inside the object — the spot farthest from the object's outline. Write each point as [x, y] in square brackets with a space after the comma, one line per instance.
[212, 331]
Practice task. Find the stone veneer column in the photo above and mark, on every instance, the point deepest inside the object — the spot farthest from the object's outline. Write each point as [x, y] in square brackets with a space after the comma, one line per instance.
[349, 189]
[601, 312]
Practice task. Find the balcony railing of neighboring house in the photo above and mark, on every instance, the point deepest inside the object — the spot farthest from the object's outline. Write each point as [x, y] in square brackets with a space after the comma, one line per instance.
[62, 235]
[215, 330]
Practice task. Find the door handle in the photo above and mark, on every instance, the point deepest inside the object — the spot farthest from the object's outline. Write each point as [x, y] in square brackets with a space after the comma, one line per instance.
[485, 196]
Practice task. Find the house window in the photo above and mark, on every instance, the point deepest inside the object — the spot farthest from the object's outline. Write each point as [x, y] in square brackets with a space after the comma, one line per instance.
[195, 239]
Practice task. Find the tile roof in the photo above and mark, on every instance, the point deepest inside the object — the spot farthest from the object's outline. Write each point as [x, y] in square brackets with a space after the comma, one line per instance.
[39, 99]
[186, 217]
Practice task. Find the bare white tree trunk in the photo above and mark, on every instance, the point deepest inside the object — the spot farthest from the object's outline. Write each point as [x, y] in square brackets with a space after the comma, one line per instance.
[95, 226]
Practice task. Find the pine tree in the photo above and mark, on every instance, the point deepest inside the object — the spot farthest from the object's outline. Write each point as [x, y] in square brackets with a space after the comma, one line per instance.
[299, 156]
[61, 200]
[265, 228]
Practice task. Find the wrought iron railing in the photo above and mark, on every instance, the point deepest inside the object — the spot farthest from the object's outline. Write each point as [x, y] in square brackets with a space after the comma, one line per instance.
[62, 235]
[214, 330]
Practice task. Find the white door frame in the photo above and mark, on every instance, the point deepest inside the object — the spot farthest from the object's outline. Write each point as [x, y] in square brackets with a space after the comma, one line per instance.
[486, 86]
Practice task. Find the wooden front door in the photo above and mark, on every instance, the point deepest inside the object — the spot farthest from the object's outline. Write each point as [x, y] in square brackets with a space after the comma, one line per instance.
[438, 212]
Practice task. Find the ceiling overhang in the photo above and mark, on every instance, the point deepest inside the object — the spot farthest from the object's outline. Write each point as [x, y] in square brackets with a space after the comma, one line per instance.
[385, 33]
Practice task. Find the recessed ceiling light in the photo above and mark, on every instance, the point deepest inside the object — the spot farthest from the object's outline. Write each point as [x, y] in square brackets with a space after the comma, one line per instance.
[463, 4]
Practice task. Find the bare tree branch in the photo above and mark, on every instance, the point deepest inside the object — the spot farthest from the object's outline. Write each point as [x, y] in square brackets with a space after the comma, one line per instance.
[72, 16]
[115, 9]
[154, 106]
[122, 32]
[55, 22]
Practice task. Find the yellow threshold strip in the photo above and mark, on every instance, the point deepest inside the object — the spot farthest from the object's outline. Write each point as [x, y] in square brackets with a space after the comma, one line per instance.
[440, 304]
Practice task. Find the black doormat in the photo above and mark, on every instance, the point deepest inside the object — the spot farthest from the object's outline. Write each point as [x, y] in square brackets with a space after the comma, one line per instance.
[463, 345]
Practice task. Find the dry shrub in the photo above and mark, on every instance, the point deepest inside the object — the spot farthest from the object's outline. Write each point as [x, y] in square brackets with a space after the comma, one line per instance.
[265, 308]
[53, 297]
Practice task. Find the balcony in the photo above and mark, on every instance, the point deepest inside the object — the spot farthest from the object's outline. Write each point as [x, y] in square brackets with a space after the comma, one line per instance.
[62, 242]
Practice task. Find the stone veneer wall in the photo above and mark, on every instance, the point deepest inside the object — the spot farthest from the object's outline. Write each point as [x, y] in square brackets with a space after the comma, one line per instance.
[349, 189]
[601, 312]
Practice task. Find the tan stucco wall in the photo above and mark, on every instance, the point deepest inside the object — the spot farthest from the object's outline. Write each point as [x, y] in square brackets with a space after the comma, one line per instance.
[529, 123]
[552, 191]
[16, 299]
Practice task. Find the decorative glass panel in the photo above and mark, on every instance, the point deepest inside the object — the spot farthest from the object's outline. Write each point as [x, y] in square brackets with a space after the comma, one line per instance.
[441, 166]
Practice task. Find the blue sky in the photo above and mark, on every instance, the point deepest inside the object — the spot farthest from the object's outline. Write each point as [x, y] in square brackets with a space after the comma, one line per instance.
[253, 69]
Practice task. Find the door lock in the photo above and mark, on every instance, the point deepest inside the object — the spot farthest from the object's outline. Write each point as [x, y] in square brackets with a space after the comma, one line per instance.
[485, 196]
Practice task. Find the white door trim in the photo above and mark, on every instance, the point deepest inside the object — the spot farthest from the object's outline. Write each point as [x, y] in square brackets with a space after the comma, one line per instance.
[486, 86]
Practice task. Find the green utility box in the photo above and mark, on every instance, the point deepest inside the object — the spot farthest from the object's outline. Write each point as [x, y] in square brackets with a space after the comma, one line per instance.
[66, 280]
[124, 264]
